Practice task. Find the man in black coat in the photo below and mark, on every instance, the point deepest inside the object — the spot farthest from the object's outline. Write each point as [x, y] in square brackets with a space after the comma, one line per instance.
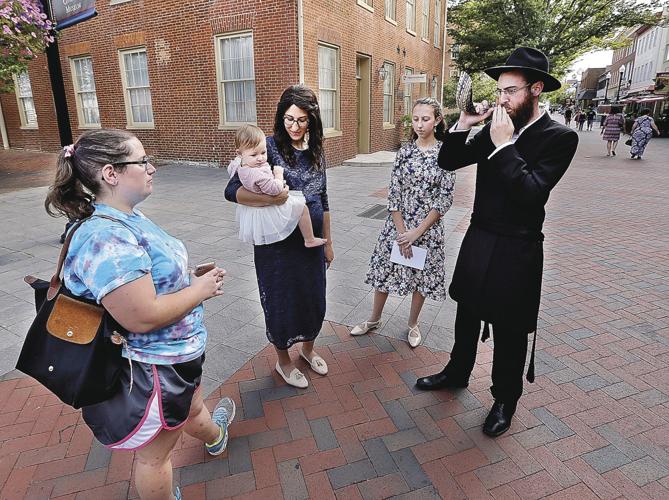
[520, 155]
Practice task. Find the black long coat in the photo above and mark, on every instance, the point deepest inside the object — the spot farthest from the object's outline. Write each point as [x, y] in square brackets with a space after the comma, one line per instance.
[500, 264]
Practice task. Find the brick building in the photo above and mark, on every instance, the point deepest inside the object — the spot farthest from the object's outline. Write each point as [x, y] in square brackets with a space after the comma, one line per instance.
[183, 76]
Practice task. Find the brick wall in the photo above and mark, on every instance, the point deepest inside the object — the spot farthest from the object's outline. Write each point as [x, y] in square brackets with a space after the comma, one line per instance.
[182, 69]
[355, 29]
[45, 137]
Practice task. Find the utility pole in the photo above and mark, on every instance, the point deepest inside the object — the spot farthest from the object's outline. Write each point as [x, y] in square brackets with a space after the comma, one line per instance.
[57, 86]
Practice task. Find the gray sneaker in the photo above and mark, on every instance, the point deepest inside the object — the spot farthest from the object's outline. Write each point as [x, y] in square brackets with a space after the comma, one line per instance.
[222, 416]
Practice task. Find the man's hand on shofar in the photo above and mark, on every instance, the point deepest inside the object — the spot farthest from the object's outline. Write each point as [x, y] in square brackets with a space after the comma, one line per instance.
[467, 121]
[501, 127]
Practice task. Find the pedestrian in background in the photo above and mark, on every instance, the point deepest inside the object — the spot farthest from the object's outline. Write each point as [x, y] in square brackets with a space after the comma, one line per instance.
[642, 133]
[140, 275]
[591, 118]
[613, 126]
[419, 195]
[291, 277]
[567, 116]
[580, 119]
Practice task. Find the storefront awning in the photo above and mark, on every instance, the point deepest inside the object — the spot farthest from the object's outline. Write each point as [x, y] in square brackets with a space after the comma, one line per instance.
[587, 94]
[645, 99]
[653, 99]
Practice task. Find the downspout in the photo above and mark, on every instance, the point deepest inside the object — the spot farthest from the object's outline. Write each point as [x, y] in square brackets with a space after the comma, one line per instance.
[443, 55]
[3, 130]
[300, 38]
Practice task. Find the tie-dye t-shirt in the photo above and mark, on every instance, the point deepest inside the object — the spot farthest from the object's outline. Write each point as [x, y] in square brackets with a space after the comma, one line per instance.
[105, 255]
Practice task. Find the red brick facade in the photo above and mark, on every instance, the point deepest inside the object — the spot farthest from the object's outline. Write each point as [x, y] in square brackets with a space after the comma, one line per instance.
[181, 58]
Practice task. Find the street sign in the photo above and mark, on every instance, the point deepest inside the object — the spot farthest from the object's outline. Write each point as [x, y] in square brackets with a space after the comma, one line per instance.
[420, 78]
[70, 12]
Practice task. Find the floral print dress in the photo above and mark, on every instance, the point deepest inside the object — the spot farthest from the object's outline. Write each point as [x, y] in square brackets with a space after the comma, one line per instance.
[642, 135]
[417, 185]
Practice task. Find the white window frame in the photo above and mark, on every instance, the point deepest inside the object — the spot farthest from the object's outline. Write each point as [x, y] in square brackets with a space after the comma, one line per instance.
[437, 23]
[78, 93]
[435, 89]
[366, 4]
[425, 26]
[337, 89]
[131, 124]
[411, 16]
[389, 82]
[408, 92]
[455, 52]
[21, 101]
[390, 7]
[422, 87]
[224, 123]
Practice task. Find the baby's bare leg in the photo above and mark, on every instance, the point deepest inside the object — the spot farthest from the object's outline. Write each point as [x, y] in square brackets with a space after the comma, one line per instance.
[307, 230]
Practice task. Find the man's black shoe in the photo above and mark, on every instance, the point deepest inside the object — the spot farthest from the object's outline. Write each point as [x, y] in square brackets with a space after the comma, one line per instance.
[439, 381]
[498, 420]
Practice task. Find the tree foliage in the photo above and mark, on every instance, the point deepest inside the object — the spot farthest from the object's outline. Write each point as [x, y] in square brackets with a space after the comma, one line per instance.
[24, 32]
[487, 31]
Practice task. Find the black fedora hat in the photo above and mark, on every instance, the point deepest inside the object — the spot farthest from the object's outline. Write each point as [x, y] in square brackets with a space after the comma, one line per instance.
[531, 61]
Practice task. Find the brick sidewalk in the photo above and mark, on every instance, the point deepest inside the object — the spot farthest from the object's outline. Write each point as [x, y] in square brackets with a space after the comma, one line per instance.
[594, 425]
[364, 431]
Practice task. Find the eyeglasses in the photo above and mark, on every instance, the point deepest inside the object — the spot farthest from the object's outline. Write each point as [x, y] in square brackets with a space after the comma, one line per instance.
[510, 91]
[301, 122]
[144, 162]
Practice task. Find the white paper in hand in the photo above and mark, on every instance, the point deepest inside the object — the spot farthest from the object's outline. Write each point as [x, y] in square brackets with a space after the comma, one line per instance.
[417, 261]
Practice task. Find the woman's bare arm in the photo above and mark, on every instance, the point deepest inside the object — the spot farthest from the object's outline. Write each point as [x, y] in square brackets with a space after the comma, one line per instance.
[138, 308]
[250, 199]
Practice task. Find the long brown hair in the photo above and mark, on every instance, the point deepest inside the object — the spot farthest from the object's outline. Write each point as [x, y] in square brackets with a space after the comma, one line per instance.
[305, 99]
[77, 173]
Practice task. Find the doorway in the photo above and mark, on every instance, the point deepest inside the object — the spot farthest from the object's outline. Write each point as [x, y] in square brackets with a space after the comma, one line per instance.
[363, 66]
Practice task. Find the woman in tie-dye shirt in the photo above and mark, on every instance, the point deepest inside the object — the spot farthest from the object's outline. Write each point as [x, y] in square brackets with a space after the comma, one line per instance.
[138, 272]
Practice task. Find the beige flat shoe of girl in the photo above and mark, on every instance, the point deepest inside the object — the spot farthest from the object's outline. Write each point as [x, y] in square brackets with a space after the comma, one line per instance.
[414, 337]
[364, 327]
[317, 364]
[296, 377]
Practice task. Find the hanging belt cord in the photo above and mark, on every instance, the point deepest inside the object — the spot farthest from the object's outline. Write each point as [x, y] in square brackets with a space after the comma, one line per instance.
[530, 369]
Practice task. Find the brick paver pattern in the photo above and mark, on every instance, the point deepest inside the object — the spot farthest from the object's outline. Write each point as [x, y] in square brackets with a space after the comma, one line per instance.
[594, 425]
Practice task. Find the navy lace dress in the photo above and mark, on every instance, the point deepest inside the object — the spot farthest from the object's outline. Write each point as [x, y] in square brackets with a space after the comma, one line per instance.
[291, 278]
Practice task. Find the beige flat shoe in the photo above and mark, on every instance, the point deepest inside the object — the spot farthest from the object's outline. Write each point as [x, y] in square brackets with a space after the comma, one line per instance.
[296, 377]
[414, 337]
[364, 327]
[317, 364]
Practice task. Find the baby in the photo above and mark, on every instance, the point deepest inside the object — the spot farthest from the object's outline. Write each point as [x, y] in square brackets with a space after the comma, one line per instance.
[266, 225]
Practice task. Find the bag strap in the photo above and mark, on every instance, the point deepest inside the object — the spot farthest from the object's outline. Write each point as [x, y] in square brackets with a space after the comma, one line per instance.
[56, 281]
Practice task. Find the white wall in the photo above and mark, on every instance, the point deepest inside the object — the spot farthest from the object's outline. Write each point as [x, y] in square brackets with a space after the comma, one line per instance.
[648, 48]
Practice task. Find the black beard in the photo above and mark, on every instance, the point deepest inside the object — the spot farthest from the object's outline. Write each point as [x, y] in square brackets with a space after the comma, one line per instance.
[523, 113]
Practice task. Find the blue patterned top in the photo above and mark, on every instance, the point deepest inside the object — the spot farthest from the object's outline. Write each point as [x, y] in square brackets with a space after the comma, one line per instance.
[105, 255]
[301, 177]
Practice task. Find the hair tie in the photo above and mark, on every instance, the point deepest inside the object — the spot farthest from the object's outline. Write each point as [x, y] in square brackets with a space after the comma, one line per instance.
[68, 150]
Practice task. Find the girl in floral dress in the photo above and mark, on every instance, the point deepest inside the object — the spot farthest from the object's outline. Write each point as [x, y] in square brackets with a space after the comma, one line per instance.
[420, 194]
